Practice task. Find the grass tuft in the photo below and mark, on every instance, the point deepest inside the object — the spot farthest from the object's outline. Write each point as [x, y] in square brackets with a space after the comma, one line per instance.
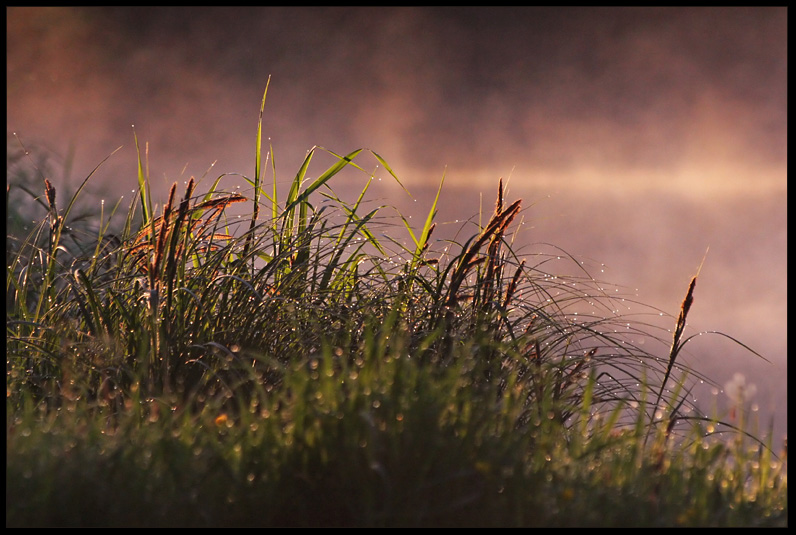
[289, 368]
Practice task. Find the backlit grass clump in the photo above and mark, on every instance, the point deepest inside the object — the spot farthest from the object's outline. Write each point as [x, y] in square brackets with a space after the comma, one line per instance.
[321, 364]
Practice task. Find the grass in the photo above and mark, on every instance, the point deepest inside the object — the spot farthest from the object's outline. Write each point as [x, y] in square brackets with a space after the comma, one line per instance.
[319, 363]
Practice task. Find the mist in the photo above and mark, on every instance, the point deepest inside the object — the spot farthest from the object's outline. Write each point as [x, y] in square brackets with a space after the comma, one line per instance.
[637, 137]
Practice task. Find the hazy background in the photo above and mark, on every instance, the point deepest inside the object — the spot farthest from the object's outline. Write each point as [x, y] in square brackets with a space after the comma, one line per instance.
[637, 137]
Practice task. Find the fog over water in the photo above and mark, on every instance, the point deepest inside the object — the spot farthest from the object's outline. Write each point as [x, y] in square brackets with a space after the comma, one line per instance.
[637, 137]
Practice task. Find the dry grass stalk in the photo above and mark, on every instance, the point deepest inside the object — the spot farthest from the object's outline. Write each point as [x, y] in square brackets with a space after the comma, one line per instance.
[55, 220]
[493, 233]
[676, 346]
[149, 251]
[513, 284]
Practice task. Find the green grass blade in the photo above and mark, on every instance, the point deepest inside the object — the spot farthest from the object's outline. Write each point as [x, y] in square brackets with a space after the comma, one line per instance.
[258, 149]
[421, 242]
[143, 189]
[321, 180]
[258, 174]
[389, 170]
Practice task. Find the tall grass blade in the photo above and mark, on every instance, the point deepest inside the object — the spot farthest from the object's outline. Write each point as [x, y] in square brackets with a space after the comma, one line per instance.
[143, 187]
[258, 174]
[295, 198]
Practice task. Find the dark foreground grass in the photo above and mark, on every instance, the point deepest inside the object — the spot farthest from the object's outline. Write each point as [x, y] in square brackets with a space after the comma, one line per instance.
[287, 367]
